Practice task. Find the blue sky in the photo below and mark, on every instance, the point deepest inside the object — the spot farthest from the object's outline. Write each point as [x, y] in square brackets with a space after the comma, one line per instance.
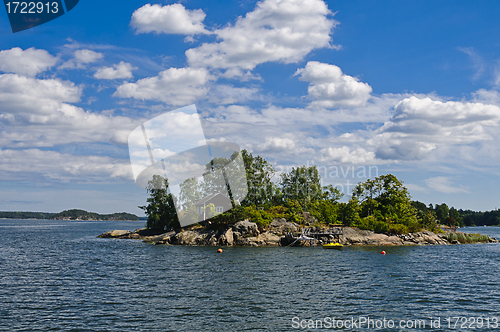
[401, 86]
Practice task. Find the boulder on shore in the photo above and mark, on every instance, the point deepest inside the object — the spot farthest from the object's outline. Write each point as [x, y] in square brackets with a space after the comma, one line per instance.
[227, 238]
[355, 236]
[263, 239]
[187, 238]
[281, 227]
[423, 237]
[246, 228]
[115, 234]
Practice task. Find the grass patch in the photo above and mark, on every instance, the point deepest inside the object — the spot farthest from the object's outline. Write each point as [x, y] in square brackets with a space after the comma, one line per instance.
[467, 238]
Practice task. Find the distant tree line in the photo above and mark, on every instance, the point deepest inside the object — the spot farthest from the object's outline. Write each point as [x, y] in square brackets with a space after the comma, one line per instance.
[439, 212]
[474, 218]
[73, 214]
[25, 215]
[85, 215]
[453, 217]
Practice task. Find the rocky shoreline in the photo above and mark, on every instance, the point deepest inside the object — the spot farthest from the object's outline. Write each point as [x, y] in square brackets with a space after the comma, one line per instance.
[246, 233]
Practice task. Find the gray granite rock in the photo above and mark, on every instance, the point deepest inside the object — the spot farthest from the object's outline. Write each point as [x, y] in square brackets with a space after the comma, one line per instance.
[281, 227]
[246, 228]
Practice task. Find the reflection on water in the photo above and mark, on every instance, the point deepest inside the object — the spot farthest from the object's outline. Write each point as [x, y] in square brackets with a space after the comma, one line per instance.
[65, 279]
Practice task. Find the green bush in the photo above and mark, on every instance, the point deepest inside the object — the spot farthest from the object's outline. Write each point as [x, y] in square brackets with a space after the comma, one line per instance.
[414, 226]
[261, 217]
[372, 224]
[325, 212]
[376, 225]
[398, 229]
[293, 211]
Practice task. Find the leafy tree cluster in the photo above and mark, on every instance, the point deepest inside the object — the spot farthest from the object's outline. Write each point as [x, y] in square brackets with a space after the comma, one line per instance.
[439, 213]
[382, 204]
[297, 191]
[160, 209]
[293, 193]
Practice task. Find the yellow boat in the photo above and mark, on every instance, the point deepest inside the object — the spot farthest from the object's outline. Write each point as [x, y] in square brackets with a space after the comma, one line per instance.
[332, 246]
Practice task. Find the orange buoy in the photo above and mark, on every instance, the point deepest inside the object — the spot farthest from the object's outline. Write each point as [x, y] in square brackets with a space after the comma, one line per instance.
[219, 250]
[383, 252]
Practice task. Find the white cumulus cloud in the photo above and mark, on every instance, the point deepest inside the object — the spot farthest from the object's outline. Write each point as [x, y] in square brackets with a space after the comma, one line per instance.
[330, 88]
[347, 155]
[29, 62]
[81, 58]
[20, 94]
[421, 125]
[121, 70]
[275, 31]
[37, 113]
[175, 86]
[278, 144]
[17, 164]
[169, 19]
[284, 146]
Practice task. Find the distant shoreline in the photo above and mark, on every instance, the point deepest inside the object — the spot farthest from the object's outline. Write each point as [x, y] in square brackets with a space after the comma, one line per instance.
[74, 214]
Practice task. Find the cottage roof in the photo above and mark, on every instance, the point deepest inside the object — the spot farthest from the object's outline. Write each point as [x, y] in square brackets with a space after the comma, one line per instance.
[208, 198]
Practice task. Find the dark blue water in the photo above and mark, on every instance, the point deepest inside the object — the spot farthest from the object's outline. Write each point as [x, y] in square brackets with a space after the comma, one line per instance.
[57, 276]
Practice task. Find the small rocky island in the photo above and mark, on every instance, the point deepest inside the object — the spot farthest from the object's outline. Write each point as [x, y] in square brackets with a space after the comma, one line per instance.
[247, 233]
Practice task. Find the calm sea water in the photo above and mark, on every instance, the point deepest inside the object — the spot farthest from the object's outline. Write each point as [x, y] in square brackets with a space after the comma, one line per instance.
[57, 276]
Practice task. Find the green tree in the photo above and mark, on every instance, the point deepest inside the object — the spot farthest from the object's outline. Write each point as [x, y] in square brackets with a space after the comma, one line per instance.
[455, 218]
[160, 209]
[393, 192]
[325, 211]
[387, 199]
[236, 176]
[226, 176]
[427, 219]
[349, 212]
[191, 192]
[259, 173]
[442, 212]
[366, 193]
[214, 177]
[420, 206]
[332, 194]
[302, 184]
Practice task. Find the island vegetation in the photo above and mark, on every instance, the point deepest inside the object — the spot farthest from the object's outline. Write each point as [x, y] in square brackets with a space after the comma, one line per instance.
[25, 215]
[382, 204]
[74, 214]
